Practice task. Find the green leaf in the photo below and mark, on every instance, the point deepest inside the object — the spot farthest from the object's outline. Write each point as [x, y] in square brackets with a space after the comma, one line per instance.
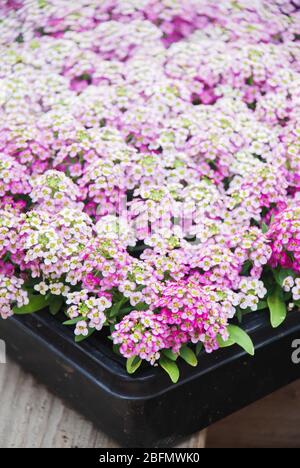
[80, 338]
[278, 309]
[170, 368]
[115, 310]
[126, 311]
[264, 228]
[116, 350]
[73, 321]
[199, 348]
[133, 364]
[188, 356]
[241, 338]
[239, 315]
[141, 306]
[262, 305]
[246, 267]
[170, 355]
[36, 303]
[42, 3]
[270, 282]
[55, 304]
[225, 344]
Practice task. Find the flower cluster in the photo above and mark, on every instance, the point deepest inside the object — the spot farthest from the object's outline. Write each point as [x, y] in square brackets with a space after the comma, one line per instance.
[285, 235]
[11, 295]
[104, 265]
[141, 334]
[251, 292]
[13, 177]
[53, 190]
[194, 313]
[292, 285]
[90, 311]
[52, 243]
[8, 233]
[149, 164]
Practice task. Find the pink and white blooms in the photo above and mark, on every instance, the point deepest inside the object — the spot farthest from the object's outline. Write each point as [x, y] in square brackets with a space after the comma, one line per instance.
[285, 235]
[11, 295]
[53, 190]
[141, 334]
[291, 284]
[89, 309]
[149, 165]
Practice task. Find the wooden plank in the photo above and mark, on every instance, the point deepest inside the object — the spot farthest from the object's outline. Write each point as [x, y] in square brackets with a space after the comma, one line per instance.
[31, 417]
[273, 422]
[197, 441]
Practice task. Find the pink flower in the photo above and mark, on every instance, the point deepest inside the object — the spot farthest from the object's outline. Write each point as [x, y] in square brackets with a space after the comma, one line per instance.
[285, 237]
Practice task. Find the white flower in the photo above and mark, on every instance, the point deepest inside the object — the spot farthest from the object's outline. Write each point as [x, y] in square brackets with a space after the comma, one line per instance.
[57, 288]
[42, 288]
[81, 328]
[136, 298]
[288, 283]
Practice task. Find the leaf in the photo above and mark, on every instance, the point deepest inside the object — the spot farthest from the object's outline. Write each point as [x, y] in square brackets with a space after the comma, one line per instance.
[55, 304]
[80, 338]
[115, 310]
[170, 368]
[116, 350]
[241, 338]
[264, 228]
[199, 348]
[170, 355]
[188, 356]
[141, 306]
[42, 3]
[225, 344]
[73, 321]
[246, 267]
[262, 305]
[239, 315]
[278, 309]
[133, 364]
[270, 282]
[126, 311]
[36, 303]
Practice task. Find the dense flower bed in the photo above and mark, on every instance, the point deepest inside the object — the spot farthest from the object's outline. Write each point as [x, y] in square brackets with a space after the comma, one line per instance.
[150, 169]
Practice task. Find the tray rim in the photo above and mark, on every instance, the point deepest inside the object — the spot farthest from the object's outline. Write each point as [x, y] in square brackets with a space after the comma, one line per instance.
[150, 382]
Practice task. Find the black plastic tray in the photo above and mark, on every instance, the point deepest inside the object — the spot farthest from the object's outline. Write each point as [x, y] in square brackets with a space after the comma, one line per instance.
[147, 410]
